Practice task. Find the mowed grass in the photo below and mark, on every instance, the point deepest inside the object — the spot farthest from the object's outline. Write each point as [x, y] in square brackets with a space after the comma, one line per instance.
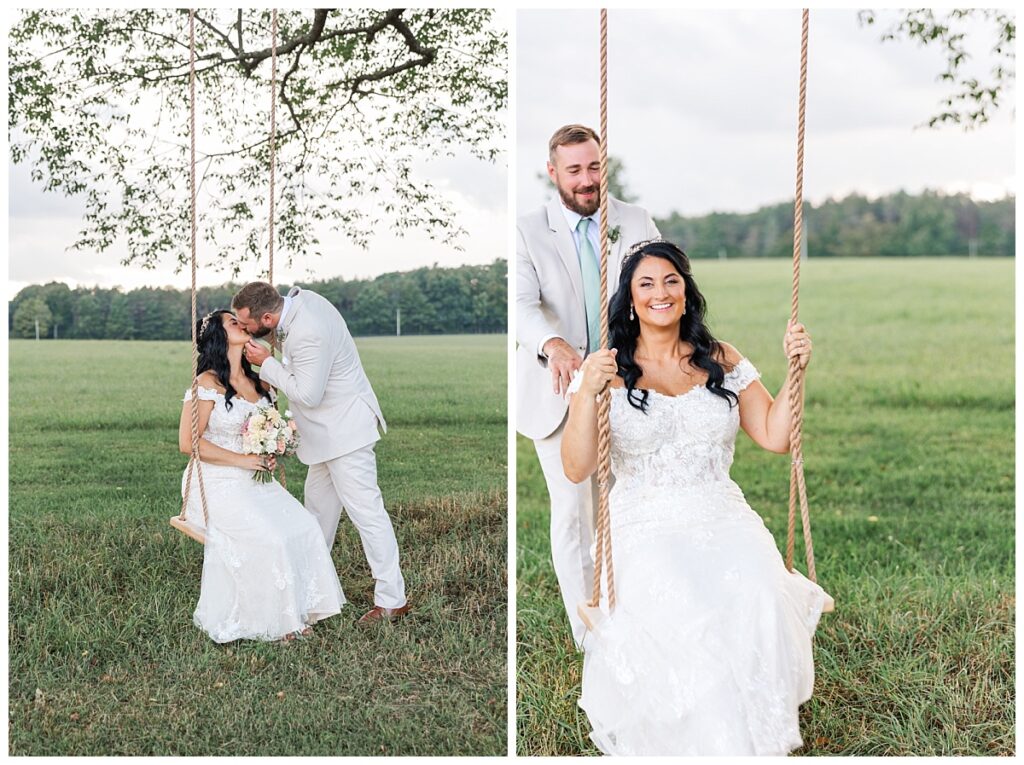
[104, 658]
[909, 458]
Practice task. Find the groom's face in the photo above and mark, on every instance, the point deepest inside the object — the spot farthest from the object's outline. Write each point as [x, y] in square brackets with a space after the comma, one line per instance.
[576, 170]
[255, 328]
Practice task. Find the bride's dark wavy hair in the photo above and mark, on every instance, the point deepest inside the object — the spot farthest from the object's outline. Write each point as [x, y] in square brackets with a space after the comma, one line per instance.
[213, 355]
[623, 331]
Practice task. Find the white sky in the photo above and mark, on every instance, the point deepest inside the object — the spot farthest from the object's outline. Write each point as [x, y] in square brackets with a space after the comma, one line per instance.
[702, 108]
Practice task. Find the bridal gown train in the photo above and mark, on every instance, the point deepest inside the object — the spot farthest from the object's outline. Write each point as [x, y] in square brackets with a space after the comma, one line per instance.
[267, 571]
[708, 651]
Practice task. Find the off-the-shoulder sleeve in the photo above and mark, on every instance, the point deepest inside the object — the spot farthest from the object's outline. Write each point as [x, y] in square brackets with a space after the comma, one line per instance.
[205, 394]
[741, 376]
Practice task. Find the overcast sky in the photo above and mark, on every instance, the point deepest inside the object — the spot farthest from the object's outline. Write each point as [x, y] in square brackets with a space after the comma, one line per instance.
[41, 226]
[702, 108]
[702, 112]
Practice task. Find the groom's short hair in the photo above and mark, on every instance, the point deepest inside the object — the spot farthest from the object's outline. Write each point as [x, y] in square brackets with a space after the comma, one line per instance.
[258, 298]
[570, 134]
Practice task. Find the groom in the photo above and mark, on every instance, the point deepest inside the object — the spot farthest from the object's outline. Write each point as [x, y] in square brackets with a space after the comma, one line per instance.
[337, 415]
[558, 303]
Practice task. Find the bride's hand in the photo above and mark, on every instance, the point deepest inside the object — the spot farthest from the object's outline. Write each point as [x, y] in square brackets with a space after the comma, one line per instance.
[258, 462]
[797, 343]
[598, 370]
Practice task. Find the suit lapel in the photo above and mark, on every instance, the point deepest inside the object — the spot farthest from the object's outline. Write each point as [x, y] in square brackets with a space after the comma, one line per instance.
[614, 248]
[565, 247]
[297, 300]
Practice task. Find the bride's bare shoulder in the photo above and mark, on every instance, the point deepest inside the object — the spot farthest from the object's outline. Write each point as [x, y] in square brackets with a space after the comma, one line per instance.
[728, 356]
[209, 380]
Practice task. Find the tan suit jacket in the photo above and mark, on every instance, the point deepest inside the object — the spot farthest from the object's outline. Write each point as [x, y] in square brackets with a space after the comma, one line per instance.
[328, 392]
[550, 301]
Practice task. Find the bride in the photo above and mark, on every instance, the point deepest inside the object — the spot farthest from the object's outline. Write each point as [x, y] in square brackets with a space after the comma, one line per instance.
[708, 651]
[267, 572]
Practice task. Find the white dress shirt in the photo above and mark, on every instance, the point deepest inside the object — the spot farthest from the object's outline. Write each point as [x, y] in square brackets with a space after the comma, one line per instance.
[593, 234]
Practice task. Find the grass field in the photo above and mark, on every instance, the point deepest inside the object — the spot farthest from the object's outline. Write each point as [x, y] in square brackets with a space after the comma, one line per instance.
[104, 658]
[909, 449]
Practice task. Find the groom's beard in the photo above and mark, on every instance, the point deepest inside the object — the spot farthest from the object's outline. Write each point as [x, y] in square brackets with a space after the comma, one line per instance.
[261, 332]
[577, 206]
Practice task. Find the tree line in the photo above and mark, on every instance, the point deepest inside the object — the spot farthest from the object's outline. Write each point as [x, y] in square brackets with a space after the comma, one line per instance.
[431, 300]
[901, 224]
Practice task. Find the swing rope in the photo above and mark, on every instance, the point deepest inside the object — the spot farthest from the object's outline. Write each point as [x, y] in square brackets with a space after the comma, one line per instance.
[603, 553]
[273, 167]
[797, 486]
[193, 460]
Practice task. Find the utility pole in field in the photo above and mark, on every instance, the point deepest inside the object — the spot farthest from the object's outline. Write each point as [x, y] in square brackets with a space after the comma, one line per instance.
[398, 322]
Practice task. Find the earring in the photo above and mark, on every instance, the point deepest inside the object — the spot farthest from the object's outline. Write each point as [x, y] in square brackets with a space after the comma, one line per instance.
[631, 316]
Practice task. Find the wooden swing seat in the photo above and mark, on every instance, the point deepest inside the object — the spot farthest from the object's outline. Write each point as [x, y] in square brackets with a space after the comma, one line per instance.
[189, 529]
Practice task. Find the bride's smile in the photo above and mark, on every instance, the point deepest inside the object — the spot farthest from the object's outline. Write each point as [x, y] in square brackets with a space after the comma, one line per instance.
[659, 293]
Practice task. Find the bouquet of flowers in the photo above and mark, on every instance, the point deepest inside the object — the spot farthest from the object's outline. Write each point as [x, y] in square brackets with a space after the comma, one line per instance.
[268, 432]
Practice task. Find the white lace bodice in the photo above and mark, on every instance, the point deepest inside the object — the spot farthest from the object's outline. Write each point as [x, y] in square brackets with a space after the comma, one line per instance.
[680, 443]
[225, 426]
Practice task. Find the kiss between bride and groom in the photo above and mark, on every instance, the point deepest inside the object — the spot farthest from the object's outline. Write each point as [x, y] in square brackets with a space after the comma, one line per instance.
[267, 569]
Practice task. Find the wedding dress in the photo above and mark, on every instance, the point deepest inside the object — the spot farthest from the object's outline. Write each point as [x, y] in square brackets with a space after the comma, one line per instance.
[267, 571]
[708, 650]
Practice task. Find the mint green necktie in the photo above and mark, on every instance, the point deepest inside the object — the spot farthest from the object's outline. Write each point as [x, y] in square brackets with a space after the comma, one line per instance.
[591, 284]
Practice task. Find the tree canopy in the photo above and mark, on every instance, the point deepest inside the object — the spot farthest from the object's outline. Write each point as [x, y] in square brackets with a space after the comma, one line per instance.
[98, 104]
[432, 300]
[897, 224]
[973, 99]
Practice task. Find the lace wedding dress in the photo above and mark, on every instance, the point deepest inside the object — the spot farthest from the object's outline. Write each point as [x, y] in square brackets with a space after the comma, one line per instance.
[267, 571]
[708, 651]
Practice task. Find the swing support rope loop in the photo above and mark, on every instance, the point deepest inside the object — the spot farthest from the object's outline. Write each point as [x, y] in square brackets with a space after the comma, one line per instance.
[193, 461]
[603, 553]
[797, 485]
[273, 144]
[273, 167]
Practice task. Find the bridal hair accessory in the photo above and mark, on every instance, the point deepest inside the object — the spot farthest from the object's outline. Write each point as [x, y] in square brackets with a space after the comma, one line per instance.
[206, 321]
[639, 246]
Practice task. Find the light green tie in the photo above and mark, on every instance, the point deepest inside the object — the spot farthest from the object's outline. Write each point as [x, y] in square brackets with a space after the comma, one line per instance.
[591, 284]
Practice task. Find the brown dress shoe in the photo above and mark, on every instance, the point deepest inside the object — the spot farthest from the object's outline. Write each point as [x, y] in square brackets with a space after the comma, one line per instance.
[379, 613]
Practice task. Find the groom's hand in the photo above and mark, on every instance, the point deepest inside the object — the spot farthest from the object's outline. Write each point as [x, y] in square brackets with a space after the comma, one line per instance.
[256, 353]
[562, 361]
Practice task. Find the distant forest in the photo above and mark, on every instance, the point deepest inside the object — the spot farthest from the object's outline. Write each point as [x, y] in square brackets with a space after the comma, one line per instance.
[895, 225]
[466, 299]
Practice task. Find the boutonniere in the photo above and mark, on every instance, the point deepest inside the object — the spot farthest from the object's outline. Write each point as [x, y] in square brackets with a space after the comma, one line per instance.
[613, 234]
[281, 336]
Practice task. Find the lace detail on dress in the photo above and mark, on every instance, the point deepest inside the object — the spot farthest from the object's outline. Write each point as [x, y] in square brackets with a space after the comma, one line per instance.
[708, 651]
[224, 427]
[267, 570]
[205, 394]
[741, 376]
